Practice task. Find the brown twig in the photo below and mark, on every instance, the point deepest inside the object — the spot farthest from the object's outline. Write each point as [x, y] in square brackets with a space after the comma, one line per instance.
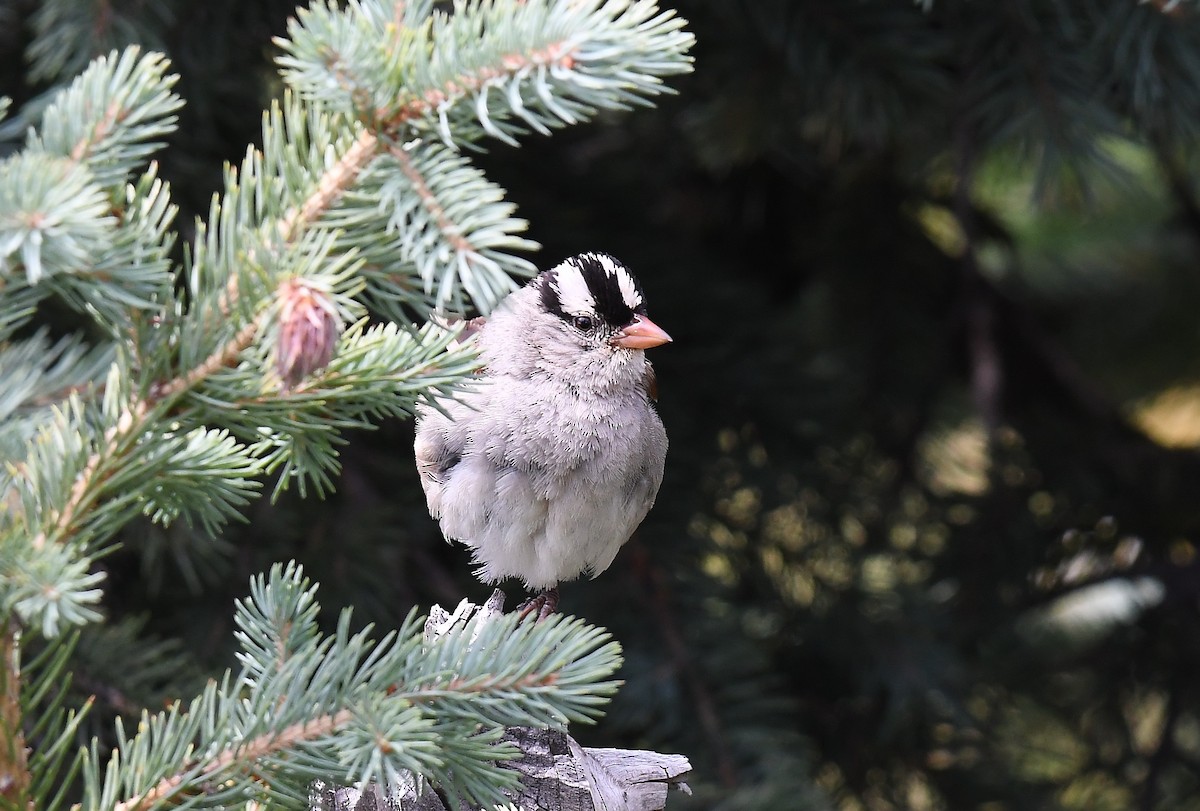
[103, 127]
[91, 470]
[449, 229]
[986, 367]
[223, 357]
[14, 764]
[457, 685]
[557, 53]
[333, 183]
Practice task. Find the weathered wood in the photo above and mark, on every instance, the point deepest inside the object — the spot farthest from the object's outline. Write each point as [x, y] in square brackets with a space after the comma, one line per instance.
[557, 774]
[632, 779]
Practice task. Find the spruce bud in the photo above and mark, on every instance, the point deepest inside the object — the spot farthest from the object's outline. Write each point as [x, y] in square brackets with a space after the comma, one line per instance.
[308, 331]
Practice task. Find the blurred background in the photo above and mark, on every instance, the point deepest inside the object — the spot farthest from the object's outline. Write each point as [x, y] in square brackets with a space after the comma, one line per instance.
[927, 538]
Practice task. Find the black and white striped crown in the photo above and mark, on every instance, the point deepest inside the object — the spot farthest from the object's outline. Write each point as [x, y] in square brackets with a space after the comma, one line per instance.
[593, 284]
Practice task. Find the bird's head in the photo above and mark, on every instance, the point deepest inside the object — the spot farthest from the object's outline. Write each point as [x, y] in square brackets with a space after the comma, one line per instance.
[599, 304]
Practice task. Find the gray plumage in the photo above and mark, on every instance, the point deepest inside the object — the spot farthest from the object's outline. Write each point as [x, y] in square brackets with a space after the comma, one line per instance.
[552, 457]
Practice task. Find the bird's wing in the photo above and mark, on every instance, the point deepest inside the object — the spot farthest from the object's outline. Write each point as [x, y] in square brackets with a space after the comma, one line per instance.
[437, 450]
[650, 382]
[470, 326]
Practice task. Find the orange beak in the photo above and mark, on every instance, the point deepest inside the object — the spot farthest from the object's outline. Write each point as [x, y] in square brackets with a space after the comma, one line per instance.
[641, 333]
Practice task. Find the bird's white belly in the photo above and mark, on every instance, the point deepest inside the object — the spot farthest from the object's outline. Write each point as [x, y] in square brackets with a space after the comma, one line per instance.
[537, 531]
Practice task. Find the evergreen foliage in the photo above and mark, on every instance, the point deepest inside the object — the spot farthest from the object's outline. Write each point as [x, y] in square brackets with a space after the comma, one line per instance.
[193, 381]
[305, 707]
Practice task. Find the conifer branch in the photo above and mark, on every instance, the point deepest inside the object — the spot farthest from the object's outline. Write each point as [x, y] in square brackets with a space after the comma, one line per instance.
[450, 231]
[551, 63]
[247, 752]
[267, 357]
[111, 117]
[262, 746]
[306, 705]
[132, 423]
[100, 130]
[555, 57]
[333, 183]
[65, 518]
[223, 357]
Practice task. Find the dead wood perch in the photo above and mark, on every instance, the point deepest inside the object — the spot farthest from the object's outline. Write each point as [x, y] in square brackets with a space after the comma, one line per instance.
[557, 774]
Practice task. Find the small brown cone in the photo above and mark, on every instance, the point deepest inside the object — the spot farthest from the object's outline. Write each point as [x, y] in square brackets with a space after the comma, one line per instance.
[308, 331]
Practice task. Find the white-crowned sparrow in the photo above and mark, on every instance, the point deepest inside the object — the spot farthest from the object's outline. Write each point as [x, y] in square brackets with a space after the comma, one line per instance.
[552, 457]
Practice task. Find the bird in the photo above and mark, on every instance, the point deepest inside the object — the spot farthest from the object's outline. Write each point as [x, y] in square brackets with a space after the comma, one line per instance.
[546, 463]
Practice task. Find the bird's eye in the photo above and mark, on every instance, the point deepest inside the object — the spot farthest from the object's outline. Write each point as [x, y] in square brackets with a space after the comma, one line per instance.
[583, 322]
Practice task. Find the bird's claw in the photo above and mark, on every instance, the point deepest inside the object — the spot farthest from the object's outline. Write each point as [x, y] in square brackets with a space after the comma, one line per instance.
[544, 604]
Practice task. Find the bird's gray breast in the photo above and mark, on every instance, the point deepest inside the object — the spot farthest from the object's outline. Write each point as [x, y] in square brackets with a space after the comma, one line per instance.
[550, 484]
[570, 438]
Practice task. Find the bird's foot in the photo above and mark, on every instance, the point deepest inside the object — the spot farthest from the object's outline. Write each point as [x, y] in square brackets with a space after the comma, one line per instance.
[542, 604]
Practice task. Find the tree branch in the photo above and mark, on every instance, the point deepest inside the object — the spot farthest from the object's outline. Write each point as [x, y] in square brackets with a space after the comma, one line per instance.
[449, 230]
[14, 763]
[556, 54]
[253, 750]
[333, 183]
[986, 366]
[112, 115]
